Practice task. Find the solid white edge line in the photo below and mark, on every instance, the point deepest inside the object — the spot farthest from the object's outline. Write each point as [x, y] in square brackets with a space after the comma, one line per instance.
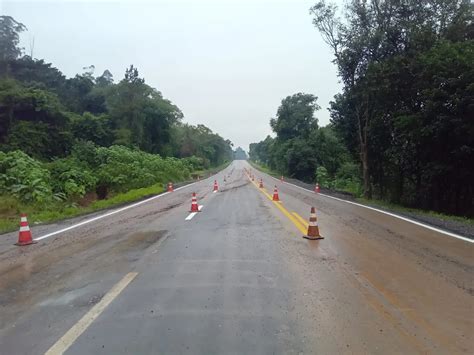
[81, 326]
[442, 231]
[114, 212]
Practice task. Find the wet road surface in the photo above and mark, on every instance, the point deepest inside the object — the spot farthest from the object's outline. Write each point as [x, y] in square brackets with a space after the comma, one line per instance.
[237, 278]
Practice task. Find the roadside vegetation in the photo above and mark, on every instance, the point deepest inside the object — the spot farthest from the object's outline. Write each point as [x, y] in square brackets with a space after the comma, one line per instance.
[402, 129]
[74, 145]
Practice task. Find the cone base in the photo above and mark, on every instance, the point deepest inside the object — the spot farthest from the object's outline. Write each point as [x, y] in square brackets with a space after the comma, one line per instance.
[25, 243]
[312, 238]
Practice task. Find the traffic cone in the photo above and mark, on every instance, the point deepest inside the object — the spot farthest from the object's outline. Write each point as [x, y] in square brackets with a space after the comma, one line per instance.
[24, 237]
[275, 194]
[194, 204]
[170, 187]
[313, 229]
[261, 184]
[316, 189]
[215, 186]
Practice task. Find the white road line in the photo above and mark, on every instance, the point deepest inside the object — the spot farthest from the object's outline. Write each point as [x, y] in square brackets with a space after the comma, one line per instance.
[77, 329]
[192, 214]
[190, 217]
[442, 231]
[110, 213]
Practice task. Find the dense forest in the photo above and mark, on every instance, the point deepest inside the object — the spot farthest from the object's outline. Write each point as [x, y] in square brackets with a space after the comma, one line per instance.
[61, 138]
[402, 129]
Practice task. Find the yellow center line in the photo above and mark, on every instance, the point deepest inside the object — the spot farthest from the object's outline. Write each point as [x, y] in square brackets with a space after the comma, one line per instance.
[279, 205]
[80, 327]
[390, 298]
[301, 220]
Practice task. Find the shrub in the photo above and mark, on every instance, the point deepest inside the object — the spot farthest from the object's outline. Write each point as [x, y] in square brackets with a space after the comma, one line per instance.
[322, 176]
[71, 177]
[24, 177]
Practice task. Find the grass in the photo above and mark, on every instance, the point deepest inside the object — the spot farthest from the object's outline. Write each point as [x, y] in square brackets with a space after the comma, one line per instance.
[38, 213]
[265, 169]
[51, 212]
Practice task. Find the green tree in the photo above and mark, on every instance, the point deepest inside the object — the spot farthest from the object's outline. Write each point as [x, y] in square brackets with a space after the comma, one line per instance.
[10, 31]
[239, 154]
[405, 68]
[295, 116]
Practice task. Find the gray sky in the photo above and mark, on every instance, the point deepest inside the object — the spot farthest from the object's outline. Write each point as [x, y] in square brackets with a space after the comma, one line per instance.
[226, 64]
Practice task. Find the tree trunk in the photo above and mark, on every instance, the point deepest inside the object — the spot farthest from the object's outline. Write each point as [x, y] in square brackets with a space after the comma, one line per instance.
[364, 150]
[365, 170]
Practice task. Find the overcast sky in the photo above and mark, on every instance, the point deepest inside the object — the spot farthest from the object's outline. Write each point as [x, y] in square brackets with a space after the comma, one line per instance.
[226, 64]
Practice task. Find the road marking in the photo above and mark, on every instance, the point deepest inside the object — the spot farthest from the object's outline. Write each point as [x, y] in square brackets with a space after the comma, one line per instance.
[77, 329]
[192, 214]
[301, 220]
[279, 205]
[442, 231]
[110, 213]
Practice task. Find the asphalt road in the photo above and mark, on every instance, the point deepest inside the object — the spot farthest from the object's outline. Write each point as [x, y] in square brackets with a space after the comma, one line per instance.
[237, 278]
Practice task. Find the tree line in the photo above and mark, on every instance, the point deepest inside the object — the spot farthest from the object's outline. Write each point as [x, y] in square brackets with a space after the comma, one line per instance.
[89, 132]
[405, 116]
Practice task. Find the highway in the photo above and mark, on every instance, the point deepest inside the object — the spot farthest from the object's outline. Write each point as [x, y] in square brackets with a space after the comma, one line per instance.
[237, 278]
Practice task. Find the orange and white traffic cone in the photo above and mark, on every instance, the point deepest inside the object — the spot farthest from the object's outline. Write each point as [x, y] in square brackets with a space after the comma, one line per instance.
[170, 187]
[24, 237]
[316, 189]
[261, 184]
[194, 204]
[275, 194]
[215, 186]
[313, 229]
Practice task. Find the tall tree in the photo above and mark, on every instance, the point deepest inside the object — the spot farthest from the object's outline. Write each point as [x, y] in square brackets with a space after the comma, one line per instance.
[10, 31]
[370, 33]
[295, 116]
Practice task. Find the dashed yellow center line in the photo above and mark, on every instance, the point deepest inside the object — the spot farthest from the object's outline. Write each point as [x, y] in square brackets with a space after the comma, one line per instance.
[279, 205]
[80, 327]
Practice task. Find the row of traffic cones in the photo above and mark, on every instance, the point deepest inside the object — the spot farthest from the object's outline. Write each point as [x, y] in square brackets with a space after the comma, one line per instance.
[313, 228]
[317, 189]
[25, 236]
[215, 188]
